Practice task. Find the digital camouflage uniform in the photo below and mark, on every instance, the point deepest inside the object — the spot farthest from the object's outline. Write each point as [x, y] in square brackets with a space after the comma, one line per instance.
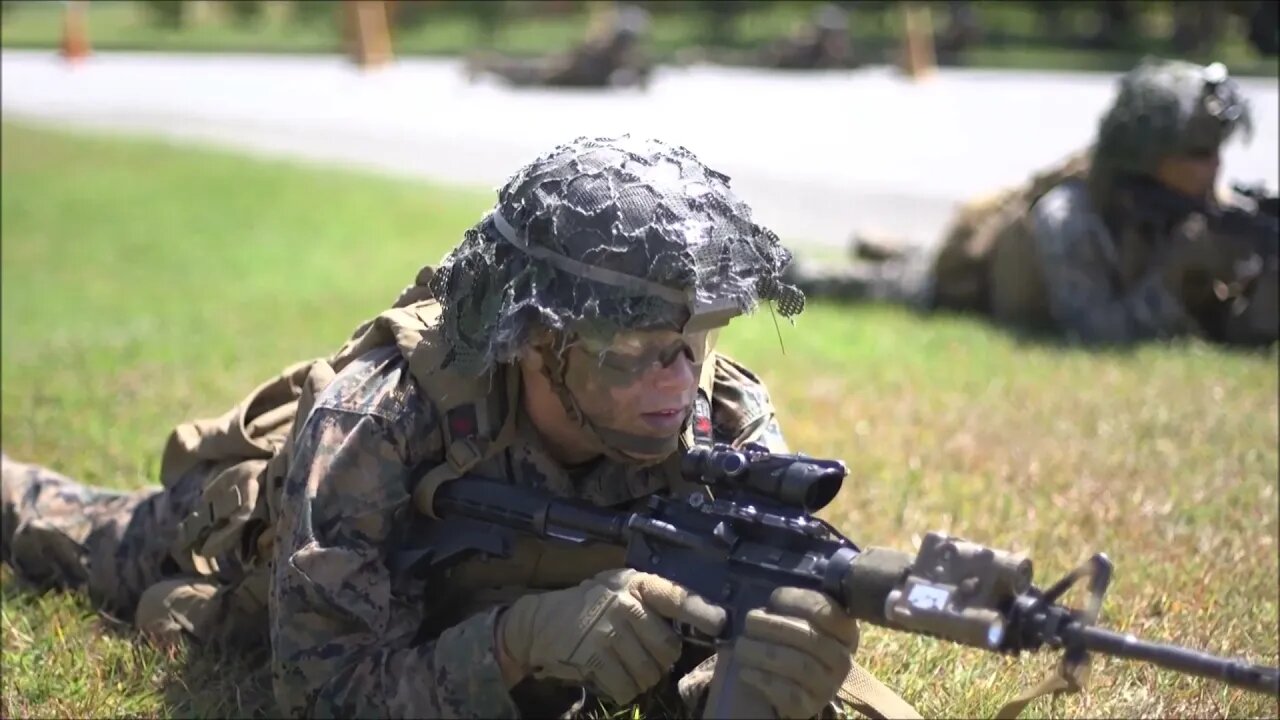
[1079, 249]
[310, 562]
[344, 628]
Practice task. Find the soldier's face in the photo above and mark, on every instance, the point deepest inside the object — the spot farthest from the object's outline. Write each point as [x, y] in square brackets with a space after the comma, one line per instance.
[640, 382]
[1191, 174]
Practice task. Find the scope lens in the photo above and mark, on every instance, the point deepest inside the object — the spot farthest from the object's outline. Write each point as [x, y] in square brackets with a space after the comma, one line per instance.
[732, 464]
[822, 490]
[808, 486]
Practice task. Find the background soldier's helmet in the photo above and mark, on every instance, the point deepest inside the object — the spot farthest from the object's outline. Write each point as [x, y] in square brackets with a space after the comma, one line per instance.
[1169, 107]
[614, 234]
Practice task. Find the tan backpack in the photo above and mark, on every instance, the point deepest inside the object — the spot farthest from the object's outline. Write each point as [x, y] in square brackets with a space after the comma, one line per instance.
[987, 262]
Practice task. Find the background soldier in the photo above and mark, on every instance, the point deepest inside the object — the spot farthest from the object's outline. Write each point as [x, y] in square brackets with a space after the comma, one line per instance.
[613, 56]
[823, 43]
[1122, 242]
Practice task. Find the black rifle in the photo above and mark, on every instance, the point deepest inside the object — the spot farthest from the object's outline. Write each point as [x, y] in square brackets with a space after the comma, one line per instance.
[752, 531]
[1261, 225]
[1238, 310]
[1268, 202]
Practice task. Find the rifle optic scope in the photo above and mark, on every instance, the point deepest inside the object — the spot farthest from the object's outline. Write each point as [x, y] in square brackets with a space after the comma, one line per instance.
[796, 480]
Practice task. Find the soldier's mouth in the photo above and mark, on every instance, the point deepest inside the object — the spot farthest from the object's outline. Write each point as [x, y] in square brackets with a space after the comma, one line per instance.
[665, 420]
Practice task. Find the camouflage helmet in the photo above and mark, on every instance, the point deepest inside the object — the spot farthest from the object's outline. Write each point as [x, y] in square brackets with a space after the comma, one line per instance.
[613, 234]
[1169, 107]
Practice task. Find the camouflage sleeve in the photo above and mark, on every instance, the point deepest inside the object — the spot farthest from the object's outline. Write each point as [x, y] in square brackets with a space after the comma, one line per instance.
[741, 411]
[342, 633]
[769, 434]
[1080, 263]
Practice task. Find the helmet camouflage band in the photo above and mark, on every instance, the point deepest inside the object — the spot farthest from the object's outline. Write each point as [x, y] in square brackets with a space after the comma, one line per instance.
[1169, 107]
[616, 233]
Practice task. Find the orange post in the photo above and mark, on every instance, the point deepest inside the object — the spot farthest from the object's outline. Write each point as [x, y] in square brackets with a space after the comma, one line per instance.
[367, 32]
[75, 31]
[919, 58]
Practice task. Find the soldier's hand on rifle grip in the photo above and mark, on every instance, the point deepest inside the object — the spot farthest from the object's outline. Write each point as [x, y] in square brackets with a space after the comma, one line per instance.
[796, 653]
[612, 631]
[1198, 256]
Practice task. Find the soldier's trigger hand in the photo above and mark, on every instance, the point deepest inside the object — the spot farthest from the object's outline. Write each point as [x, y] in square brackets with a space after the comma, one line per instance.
[673, 602]
[797, 652]
[1198, 250]
[613, 631]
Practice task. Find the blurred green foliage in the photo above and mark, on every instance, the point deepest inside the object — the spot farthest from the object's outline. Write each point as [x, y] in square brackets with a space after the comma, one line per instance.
[166, 14]
[1077, 35]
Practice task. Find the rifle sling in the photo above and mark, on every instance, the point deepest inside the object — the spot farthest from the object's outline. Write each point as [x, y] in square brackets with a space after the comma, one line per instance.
[1066, 678]
[867, 695]
[871, 697]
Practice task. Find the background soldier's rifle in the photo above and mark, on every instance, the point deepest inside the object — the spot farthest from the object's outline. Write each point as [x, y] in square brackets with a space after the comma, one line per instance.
[752, 531]
[1247, 311]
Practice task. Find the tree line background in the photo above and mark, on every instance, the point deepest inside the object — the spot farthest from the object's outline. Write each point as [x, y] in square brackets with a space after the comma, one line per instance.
[1084, 34]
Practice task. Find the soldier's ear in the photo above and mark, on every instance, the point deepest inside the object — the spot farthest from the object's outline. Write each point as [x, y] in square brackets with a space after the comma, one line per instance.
[540, 340]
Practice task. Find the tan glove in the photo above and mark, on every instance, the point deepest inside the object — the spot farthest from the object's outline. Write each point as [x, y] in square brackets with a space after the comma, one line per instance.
[612, 631]
[795, 655]
[1253, 318]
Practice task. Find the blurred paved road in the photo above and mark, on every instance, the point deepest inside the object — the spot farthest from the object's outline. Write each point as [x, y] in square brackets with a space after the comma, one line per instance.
[816, 154]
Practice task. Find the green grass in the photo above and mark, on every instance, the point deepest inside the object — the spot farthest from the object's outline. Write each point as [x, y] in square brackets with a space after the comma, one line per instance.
[145, 284]
[1013, 40]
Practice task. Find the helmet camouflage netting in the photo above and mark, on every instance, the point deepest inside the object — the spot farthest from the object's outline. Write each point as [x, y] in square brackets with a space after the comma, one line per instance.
[616, 233]
[1167, 107]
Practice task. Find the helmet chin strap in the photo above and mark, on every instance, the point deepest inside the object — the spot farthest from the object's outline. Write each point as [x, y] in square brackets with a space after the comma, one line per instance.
[617, 445]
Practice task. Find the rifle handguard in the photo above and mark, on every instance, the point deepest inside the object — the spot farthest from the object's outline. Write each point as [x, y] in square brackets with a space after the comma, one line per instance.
[957, 589]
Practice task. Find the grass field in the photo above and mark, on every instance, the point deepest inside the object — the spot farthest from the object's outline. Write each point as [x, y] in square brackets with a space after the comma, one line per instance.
[1013, 37]
[145, 284]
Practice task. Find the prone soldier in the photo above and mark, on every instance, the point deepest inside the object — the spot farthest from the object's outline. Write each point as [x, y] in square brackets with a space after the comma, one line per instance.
[566, 344]
[612, 56]
[821, 44]
[1122, 242]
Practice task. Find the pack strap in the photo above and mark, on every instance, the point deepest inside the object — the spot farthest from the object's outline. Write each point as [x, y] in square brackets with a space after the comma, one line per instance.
[873, 698]
[464, 453]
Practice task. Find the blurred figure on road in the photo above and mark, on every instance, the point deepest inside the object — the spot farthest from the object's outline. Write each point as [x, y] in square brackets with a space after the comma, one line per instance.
[823, 43]
[1127, 240]
[963, 31]
[611, 56]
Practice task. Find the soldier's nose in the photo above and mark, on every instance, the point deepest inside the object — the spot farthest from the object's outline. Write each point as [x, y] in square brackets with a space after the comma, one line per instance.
[678, 375]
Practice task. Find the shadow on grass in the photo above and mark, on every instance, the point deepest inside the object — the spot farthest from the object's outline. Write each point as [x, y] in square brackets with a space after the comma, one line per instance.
[209, 681]
[1041, 339]
[218, 682]
[191, 680]
[1048, 340]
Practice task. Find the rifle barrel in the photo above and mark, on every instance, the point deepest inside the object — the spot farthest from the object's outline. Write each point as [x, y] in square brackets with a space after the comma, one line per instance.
[1236, 673]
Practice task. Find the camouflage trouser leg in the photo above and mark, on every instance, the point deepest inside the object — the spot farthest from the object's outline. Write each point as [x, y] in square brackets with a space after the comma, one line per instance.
[117, 546]
[58, 533]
